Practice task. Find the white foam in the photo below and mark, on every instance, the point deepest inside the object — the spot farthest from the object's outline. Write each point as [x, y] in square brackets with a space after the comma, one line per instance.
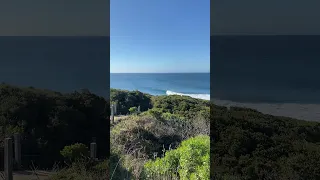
[198, 96]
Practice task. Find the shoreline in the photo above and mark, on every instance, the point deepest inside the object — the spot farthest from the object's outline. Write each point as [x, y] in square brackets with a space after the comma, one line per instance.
[308, 112]
[169, 92]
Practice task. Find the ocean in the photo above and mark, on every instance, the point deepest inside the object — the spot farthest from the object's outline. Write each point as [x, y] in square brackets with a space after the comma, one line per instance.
[274, 74]
[62, 63]
[196, 85]
[277, 75]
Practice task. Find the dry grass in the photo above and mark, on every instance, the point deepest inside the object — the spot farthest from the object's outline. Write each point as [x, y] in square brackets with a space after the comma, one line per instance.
[79, 170]
[83, 169]
[139, 138]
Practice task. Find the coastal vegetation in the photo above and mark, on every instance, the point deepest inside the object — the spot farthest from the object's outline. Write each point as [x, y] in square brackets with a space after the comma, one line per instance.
[245, 144]
[55, 127]
[167, 138]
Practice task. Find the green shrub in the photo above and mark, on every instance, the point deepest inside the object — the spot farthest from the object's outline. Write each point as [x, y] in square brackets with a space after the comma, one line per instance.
[181, 105]
[189, 161]
[75, 151]
[126, 99]
[252, 145]
[169, 116]
[83, 170]
[156, 113]
[10, 130]
[43, 116]
[133, 110]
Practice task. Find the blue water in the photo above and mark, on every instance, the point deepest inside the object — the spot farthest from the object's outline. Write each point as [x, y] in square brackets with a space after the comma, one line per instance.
[266, 69]
[57, 63]
[193, 84]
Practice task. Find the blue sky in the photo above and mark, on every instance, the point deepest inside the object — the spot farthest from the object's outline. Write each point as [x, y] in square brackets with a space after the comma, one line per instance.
[159, 36]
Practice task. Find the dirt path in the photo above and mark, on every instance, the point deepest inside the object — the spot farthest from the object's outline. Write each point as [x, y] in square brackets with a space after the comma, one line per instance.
[30, 175]
[118, 119]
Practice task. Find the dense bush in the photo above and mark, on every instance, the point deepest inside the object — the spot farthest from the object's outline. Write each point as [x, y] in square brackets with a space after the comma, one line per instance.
[181, 105]
[83, 170]
[139, 138]
[75, 151]
[133, 110]
[127, 99]
[135, 132]
[245, 144]
[250, 145]
[50, 120]
[175, 104]
[191, 160]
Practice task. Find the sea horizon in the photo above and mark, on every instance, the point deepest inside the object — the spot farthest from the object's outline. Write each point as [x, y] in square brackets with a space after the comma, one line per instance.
[160, 72]
[58, 63]
[274, 74]
[196, 85]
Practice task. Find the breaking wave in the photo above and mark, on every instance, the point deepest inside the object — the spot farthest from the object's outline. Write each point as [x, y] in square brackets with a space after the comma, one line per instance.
[198, 96]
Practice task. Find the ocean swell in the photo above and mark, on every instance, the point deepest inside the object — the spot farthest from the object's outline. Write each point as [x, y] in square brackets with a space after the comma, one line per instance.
[198, 96]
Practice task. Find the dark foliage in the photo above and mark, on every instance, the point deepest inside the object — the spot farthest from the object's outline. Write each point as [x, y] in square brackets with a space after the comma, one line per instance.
[183, 105]
[250, 145]
[50, 120]
[127, 99]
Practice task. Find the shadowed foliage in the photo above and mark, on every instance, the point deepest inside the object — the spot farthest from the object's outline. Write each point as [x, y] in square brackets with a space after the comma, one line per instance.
[50, 120]
[246, 144]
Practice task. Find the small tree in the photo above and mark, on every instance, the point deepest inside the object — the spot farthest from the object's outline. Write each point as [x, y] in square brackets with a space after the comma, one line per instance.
[156, 113]
[133, 110]
[75, 151]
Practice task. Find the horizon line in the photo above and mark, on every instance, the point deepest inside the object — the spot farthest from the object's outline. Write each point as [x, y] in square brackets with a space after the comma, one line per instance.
[264, 34]
[55, 35]
[155, 72]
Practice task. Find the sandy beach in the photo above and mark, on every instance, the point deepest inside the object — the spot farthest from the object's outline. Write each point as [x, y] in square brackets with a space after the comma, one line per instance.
[309, 112]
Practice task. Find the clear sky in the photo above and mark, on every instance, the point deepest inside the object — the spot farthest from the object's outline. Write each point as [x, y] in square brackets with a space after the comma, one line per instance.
[159, 36]
[272, 17]
[54, 18]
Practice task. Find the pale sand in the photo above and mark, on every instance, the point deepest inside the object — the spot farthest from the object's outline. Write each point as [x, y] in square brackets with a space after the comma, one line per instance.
[309, 112]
